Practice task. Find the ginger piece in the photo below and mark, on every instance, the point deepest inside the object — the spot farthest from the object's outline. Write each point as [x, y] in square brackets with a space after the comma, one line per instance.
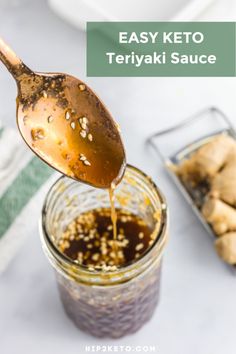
[220, 215]
[226, 247]
[207, 160]
[223, 185]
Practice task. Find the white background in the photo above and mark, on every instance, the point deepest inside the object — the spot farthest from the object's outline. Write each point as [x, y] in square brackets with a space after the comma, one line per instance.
[197, 313]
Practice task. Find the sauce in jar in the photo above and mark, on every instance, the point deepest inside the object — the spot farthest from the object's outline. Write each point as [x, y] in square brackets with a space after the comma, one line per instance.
[107, 291]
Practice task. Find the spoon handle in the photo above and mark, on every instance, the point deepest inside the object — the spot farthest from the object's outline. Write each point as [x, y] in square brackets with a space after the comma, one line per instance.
[9, 59]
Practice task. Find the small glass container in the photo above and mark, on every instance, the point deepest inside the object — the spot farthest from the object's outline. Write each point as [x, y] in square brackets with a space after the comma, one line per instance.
[174, 143]
[112, 303]
[177, 143]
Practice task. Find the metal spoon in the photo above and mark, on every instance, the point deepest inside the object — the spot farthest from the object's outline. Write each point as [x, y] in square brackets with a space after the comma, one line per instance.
[64, 122]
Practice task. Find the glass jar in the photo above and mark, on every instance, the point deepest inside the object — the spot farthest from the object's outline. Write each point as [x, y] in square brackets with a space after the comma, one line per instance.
[113, 303]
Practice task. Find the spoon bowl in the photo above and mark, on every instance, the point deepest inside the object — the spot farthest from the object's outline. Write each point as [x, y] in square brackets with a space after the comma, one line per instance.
[65, 123]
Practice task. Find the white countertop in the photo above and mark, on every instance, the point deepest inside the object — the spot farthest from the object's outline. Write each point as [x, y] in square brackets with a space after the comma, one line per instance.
[197, 312]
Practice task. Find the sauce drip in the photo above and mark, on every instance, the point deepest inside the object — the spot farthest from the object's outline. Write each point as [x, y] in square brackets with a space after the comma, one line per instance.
[113, 219]
[113, 211]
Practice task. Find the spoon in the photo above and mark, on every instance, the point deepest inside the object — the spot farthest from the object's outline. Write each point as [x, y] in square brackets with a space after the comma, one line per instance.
[65, 123]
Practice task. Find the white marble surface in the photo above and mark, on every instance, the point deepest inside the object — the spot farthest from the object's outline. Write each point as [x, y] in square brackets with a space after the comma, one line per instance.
[197, 313]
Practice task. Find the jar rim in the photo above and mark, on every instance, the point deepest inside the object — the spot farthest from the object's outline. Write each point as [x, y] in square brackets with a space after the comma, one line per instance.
[74, 267]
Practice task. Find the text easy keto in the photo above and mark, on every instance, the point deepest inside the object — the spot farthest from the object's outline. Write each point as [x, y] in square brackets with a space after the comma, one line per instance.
[164, 37]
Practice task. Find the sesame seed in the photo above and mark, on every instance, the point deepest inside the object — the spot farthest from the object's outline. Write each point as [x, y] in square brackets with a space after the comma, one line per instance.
[45, 95]
[141, 235]
[83, 133]
[83, 126]
[87, 163]
[125, 243]
[82, 158]
[67, 115]
[120, 237]
[85, 120]
[139, 247]
[82, 87]
[72, 124]
[90, 137]
[95, 257]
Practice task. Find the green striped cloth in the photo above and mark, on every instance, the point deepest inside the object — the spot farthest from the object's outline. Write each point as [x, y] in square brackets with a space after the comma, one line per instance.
[24, 180]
